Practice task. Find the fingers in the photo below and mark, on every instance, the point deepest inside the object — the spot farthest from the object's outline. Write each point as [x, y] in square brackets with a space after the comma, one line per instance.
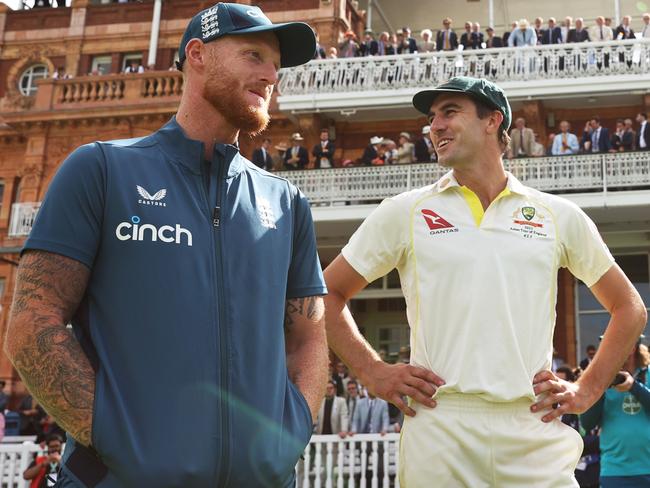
[418, 396]
[426, 375]
[543, 375]
[399, 402]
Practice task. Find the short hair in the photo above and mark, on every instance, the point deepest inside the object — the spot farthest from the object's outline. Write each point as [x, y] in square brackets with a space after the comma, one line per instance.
[53, 437]
[353, 382]
[620, 121]
[483, 110]
[331, 382]
[644, 115]
[446, 20]
[591, 347]
[266, 139]
[552, 19]
[570, 376]
[426, 31]
[324, 129]
[595, 118]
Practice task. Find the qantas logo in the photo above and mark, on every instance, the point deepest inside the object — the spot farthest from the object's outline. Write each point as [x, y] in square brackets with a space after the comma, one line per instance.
[436, 224]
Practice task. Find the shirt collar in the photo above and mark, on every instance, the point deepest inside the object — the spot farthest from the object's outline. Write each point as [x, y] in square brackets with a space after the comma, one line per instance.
[449, 181]
[189, 152]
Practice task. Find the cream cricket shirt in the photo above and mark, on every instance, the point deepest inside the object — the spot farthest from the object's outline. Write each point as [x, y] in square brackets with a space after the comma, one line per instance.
[480, 287]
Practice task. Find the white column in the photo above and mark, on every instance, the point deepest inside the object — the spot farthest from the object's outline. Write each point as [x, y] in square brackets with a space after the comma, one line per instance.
[491, 13]
[155, 30]
[369, 16]
[617, 12]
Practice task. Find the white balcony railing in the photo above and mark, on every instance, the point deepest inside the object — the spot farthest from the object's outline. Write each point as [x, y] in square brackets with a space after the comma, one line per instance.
[329, 462]
[22, 218]
[358, 461]
[549, 68]
[584, 173]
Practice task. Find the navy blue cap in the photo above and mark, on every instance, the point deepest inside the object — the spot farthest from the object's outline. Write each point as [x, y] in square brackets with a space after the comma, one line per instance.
[297, 39]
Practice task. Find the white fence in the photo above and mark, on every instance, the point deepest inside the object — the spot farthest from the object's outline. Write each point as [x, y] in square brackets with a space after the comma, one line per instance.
[546, 62]
[329, 462]
[358, 461]
[584, 173]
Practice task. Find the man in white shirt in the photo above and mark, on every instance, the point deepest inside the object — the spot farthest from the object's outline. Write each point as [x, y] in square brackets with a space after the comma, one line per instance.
[643, 134]
[600, 32]
[645, 30]
[565, 142]
[478, 255]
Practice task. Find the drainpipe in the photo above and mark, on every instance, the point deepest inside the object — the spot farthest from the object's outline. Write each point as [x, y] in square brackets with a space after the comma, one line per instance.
[155, 30]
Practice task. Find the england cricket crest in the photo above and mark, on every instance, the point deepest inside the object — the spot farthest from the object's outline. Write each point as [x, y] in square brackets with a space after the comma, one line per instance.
[528, 213]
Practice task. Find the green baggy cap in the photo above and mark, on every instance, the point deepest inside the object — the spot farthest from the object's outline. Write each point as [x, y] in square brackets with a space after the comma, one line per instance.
[478, 88]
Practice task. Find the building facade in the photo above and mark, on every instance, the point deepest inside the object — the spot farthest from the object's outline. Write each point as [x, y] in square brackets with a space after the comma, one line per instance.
[42, 119]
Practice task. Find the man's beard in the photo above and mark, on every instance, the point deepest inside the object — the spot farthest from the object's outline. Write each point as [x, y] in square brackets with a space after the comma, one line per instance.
[219, 93]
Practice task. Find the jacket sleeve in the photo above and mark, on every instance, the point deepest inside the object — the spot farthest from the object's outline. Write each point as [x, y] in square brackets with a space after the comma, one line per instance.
[642, 393]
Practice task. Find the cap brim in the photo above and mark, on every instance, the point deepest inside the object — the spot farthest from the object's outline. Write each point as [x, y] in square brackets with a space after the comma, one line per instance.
[297, 41]
[423, 100]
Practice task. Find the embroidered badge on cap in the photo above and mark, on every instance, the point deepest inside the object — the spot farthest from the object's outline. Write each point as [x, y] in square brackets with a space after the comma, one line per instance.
[210, 22]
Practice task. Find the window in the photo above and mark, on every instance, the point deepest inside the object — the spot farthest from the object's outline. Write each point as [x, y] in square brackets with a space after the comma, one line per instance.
[27, 83]
[2, 192]
[129, 58]
[593, 319]
[101, 65]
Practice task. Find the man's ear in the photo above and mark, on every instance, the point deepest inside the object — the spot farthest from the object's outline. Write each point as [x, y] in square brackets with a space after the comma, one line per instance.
[494, 122]
[195, 54]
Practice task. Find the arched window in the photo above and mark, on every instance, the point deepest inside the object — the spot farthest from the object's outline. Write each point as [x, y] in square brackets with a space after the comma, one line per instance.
[27, 83]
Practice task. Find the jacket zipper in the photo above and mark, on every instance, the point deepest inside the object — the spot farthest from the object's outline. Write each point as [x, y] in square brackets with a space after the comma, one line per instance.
[215, 217]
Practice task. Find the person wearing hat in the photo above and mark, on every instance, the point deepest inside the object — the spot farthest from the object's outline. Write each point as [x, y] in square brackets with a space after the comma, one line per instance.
[424, 151]
[406, 150]
[478, 254]
[296, 156]
[370, 153]
[349, 48]
[191, 280]
[623, 415]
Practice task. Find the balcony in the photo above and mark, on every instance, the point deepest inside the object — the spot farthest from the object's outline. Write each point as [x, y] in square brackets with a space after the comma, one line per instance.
[590, 175]
[580, 173]
[389, 82]
[97, 96]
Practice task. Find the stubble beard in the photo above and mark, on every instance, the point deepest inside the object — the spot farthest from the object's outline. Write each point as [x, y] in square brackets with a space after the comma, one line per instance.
[231, 104]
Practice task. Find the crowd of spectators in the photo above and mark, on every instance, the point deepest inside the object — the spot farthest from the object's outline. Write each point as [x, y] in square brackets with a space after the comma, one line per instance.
[627, 135]
[521, 33]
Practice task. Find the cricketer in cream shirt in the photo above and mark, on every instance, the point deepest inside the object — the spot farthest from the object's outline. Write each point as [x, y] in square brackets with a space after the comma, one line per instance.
[480, 287]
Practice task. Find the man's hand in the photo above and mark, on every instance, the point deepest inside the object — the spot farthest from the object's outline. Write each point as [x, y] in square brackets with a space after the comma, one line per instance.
[342, 434]
[54, 457]
[559, 396]
[627, 384]
[394, 381]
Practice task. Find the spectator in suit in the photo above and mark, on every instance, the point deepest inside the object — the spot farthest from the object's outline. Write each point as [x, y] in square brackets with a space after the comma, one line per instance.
[522, 140]
[320, 51]
[262, 156]
[426, 45]
[296, 156]
[507, 34]
[406, 150]
[424, 151]
[446, 38]
[409, 44]
[466, 38]
[370, 416]
[591, 352]
[371, 151]
[643, 135]
[624, 30]
[492, 40]
[44, 469]
[629, 137]
[333, 414]
[567, 26]
[537, 25]
[340, 377]
[565, 142]
[617, 137]
[600, 32]
[645, 29]
[523, 36]
[369, 45]
[349, 48]
[477, 36]
[383, 45]
[323, 152]
[352, 398]
[552, 35]
[579, 34]
[596, 139]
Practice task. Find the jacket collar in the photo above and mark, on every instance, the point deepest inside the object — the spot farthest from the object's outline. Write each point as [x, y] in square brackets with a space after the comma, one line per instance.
[189, 152]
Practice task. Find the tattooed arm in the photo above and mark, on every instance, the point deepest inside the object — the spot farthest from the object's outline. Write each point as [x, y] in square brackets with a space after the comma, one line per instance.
[49, 288]
[307, 348]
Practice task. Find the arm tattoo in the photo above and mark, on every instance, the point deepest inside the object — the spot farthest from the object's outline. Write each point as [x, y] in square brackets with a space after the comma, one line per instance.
[308, 307]
[49, 288]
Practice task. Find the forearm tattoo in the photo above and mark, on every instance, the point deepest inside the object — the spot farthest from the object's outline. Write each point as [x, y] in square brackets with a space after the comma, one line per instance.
[49, 288]
[310, 308]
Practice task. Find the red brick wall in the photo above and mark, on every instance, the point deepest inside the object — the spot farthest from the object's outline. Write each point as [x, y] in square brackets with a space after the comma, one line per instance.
[119, 13]
[39, 18]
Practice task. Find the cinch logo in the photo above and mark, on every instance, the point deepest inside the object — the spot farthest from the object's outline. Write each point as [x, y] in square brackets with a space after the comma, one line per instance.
[436, 223]
[133, 231]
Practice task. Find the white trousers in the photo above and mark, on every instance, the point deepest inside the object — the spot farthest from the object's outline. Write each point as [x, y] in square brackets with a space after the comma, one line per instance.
[467, 441]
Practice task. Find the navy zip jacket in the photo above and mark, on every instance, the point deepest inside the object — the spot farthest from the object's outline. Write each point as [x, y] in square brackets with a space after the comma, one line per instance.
[183, 317]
